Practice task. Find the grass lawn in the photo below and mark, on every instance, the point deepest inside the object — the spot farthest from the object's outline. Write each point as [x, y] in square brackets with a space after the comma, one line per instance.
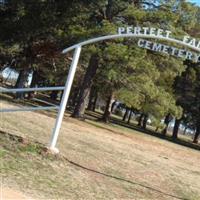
[97, 161]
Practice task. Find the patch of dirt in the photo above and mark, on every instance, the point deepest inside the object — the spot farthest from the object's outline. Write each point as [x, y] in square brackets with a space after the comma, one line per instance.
[10, 194]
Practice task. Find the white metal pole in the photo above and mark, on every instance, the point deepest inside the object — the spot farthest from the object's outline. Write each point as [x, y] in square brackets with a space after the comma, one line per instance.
[64, 100]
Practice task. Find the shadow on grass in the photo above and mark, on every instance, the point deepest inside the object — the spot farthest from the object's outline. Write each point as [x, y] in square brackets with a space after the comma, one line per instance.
[96, 116]
[123, 179]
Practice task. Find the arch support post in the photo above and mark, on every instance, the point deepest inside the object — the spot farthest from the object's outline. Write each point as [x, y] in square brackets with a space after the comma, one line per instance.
[64, 100]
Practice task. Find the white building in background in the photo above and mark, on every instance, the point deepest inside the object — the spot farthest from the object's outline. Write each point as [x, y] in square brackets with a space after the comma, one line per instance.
[9, 76]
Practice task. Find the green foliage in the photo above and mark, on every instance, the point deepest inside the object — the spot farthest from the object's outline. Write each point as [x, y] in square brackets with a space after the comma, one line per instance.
[187, 87]
[34, 34]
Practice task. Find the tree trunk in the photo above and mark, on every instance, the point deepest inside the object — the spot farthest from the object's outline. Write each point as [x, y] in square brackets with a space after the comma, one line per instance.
[95, 102]
[144, 124]
[140, 120]
[109, 10]
[54, 95]
[73, 96]
[107, 112]
[197, 134]
[61, 95]
[176, 128]
[125, 114]
[164, 131]
[113, 105]
[167, 120]
[129, 117]
[21, 82]
[85, 89]
[91, 98]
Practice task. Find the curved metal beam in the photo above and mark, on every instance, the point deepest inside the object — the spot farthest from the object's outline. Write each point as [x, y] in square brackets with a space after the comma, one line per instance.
[108, 37]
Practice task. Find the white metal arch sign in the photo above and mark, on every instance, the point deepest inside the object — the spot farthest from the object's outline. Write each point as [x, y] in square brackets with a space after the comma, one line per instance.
[124, 32]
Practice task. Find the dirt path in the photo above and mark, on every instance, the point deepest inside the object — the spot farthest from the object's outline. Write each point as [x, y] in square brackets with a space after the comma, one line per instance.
[10, 194]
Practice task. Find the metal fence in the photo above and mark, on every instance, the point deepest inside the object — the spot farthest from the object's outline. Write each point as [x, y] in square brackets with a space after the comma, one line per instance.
[61, 108]
[30, 108]
[34, 108]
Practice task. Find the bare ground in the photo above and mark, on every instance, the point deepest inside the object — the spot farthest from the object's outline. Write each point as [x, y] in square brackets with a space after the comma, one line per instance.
[10, 194]
[99, 161]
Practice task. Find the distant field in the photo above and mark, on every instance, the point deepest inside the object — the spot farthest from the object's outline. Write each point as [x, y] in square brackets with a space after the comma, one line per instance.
[97, 161]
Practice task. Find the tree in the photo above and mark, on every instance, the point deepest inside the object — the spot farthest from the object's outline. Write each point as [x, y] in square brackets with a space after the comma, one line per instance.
[107, 14]
[33, 33]
[85, 88]
[168, 119]
[149, 91]
[187, 89]
[110, 13]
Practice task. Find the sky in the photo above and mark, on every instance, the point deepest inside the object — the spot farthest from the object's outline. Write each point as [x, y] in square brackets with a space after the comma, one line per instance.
[195, 1]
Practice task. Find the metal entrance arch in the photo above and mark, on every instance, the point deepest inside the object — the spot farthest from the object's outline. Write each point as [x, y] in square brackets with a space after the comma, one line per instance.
[70, 77]
[74, 64]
